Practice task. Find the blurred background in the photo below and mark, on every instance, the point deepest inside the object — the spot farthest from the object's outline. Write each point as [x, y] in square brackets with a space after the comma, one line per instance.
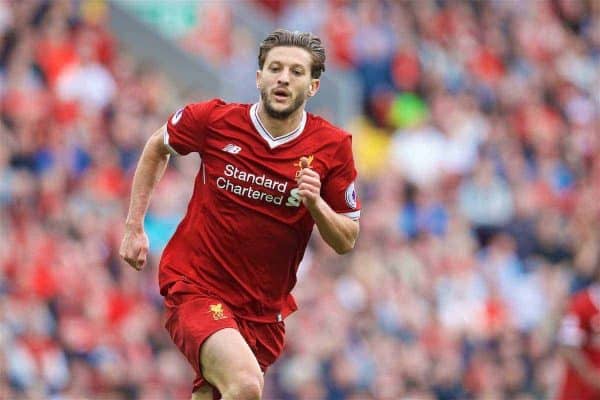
[476, 130]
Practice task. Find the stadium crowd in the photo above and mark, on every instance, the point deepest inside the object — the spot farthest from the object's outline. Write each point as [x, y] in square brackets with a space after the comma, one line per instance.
[479, 162]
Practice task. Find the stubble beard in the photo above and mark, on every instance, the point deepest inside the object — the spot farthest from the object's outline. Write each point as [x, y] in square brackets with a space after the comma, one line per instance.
[286, 112]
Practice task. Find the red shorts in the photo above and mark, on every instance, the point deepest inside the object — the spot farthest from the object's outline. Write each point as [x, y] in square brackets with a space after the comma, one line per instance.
[574, 387]
[193, 315]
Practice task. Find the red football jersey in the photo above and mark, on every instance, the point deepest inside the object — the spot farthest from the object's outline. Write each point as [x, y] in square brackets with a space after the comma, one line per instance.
[246, 230]
[580, 328]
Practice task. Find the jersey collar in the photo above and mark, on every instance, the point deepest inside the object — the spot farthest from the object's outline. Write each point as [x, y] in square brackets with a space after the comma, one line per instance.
[275, 141]
[595, 295]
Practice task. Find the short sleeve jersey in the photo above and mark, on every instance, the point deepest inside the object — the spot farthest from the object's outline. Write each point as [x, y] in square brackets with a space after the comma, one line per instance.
[246, 230]
[580, 328]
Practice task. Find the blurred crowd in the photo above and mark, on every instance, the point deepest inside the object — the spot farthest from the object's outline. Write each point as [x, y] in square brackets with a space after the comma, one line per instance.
[479, 160]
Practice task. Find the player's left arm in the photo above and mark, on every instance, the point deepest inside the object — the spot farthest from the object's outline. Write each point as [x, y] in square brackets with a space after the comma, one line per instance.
[339, 231]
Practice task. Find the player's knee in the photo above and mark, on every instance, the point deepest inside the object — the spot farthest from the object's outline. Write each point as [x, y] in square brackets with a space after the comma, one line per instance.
[245, 387]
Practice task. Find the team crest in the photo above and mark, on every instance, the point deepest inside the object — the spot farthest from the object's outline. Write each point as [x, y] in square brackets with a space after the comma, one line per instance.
[298, 164]
[217, 311]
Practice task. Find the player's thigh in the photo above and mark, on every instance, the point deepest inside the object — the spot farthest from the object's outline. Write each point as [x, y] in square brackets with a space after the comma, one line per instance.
[226, 358]
[204, 393]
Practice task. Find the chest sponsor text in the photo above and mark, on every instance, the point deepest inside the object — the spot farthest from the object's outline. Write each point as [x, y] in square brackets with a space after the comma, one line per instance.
[251, 186]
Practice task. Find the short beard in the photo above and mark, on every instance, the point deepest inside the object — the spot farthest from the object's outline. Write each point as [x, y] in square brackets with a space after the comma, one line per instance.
[286, 112]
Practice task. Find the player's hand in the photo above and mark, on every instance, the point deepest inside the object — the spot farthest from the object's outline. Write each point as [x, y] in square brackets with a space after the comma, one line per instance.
[309, 184]
[134, 247]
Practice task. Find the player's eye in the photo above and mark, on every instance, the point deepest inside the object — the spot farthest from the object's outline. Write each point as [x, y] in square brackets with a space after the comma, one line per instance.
[298, 72]
[274, 69]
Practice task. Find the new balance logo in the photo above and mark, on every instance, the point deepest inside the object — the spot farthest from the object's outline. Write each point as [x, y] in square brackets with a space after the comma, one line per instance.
[232, 148]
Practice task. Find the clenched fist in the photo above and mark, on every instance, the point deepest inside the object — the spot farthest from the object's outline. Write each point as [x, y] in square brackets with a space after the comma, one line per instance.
[134, 247]
[309, 184]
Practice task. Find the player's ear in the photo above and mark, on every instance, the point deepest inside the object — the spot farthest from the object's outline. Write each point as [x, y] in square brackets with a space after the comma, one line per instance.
[258, 79]
[314, 87]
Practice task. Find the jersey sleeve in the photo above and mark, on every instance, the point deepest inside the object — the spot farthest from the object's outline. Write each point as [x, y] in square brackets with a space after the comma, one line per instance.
[572, 329]
[187, 127]
[338, 188]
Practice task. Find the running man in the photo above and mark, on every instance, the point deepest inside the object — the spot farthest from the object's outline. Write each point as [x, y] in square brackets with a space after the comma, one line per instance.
[270, 171]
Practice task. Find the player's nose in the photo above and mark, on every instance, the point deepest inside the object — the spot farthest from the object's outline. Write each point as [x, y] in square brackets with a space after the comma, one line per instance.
[284, 77]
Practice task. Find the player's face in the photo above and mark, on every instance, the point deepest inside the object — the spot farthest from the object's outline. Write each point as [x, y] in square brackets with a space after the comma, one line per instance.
[285, 81]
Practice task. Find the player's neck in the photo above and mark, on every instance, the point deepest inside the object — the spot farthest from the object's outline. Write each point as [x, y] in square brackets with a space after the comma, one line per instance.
[278, 127]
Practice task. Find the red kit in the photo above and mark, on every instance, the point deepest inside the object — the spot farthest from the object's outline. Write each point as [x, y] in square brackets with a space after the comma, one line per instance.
[246, 229]
[581, 328]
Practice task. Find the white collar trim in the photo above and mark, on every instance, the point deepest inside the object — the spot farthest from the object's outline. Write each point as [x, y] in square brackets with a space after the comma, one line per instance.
[275, 141]
[595, 295]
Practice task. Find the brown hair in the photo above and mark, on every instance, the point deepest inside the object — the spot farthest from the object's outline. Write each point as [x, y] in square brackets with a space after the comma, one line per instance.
[304, 40]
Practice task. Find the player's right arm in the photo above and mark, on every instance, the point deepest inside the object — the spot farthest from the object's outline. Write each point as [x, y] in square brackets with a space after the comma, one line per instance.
[571, 337]
[149, 171]
[184, 132]
[579, 362]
